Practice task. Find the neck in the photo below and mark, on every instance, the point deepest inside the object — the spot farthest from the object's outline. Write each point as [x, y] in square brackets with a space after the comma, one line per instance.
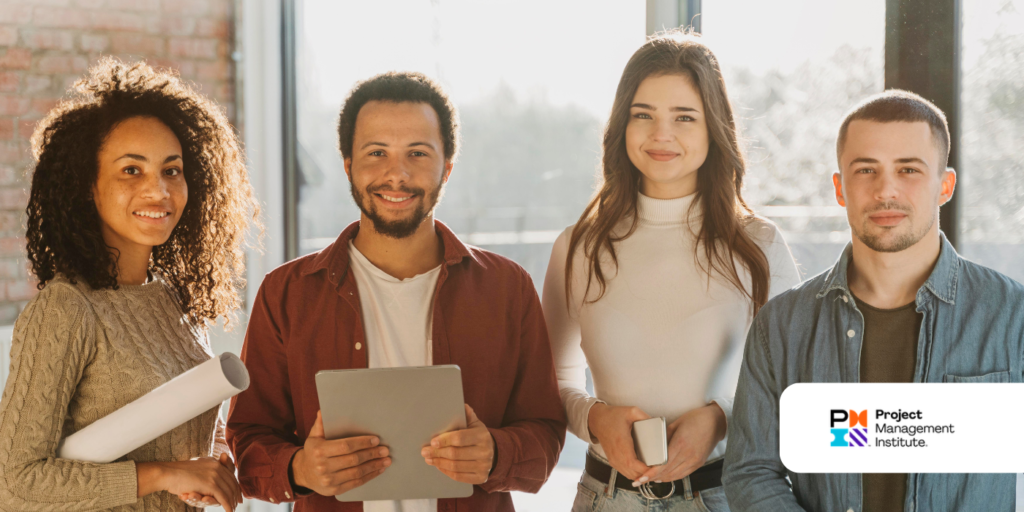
[132, 258]
[401, 258]
[888, 280]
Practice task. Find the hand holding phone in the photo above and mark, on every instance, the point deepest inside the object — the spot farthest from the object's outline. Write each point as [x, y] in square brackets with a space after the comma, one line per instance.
[650, 441]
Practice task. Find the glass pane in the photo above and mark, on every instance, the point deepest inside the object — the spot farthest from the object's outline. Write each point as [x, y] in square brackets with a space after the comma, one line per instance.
[992, 96]
[793, 68]
[534, 82]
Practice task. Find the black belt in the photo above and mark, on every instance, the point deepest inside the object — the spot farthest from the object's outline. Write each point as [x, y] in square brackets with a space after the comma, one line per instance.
[707, 477]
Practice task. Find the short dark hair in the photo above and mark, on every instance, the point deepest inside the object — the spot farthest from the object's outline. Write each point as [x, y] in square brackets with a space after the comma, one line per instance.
[898, 106]
[400, 87]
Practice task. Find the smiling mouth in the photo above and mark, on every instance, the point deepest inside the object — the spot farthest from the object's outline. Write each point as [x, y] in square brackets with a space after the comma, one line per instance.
[152, 215]
[394, 199]
[662, 155]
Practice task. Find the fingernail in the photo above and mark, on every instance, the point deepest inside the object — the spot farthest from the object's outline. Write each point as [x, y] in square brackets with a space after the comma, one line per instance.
[637, 483]
[387, 462]
[383, 452]
[375, 441]
[430, 461]
[434, 443]
[657, 481]
[642, 480]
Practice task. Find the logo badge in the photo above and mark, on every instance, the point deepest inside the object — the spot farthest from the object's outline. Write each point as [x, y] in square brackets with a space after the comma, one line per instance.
[853, 435]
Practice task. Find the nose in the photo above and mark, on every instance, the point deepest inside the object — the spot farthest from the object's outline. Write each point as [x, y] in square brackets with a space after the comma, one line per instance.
[662, 131]
[886, 186]
[396, 171]
[155, 187]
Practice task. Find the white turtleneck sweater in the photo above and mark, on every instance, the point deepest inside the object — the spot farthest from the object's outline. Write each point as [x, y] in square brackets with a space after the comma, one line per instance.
[664, 337]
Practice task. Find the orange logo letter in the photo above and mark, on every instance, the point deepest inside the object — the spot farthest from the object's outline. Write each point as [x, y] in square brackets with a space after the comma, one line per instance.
[861, 418]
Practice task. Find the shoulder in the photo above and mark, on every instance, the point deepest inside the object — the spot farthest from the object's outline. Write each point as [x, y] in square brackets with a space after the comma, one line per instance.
[59, 302]
[492, 267]
[796, 301]
[980, 281]
[300, 268]
[763, 231]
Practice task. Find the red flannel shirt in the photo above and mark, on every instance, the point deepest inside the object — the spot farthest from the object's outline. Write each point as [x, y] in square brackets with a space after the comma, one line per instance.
[486, 319]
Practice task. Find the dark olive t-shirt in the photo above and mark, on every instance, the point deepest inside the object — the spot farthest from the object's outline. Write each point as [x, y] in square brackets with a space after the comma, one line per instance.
[888, 354]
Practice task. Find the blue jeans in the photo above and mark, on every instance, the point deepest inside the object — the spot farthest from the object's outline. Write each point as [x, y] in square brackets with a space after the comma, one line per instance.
[593, 495]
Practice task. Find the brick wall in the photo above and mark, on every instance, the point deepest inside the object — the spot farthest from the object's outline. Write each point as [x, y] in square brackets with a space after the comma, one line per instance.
[45, 45]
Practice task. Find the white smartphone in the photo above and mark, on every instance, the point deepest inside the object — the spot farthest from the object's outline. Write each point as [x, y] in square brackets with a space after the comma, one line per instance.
[649, 441]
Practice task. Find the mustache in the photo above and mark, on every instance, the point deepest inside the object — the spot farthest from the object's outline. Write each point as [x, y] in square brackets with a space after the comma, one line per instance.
[890, 205]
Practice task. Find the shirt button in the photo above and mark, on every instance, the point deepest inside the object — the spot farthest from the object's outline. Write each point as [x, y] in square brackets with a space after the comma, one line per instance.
[272, 500]
[359, 345]
[849, 510]
[851, 333]
[286, 495]
[846, 299]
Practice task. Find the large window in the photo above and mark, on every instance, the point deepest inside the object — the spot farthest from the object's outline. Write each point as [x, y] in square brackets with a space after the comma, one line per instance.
[534, 82]
[992, 178]
[793, 68]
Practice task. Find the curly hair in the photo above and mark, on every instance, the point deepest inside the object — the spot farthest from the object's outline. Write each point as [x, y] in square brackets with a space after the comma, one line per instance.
[203, 260]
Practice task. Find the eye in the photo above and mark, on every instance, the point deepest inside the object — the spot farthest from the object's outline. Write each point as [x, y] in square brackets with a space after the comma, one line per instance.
[172, 171]
[418, 153]
[641, 115]
[864, 170]
[377, 152]
[909, 170]
[685, 118]
[132, 170]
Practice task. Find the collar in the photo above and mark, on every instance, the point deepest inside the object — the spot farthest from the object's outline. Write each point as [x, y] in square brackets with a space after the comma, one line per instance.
[941, 282]
[667, 211]
[335, 257]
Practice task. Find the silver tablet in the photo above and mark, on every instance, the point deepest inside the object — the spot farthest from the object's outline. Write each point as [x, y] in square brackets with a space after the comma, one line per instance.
[405, 408]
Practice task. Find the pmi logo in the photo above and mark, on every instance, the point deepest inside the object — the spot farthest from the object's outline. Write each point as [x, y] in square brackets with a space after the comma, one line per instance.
[850, 436]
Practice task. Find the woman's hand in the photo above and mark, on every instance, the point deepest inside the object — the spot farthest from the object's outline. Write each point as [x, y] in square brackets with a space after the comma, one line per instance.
[693, 436]
[613, 428]
[205, 476]
[201, 500]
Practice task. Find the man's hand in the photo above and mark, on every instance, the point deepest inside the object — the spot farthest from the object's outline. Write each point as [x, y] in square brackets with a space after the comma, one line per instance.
[693, 437]
[339, 465]
[464, 455]
[201, 500]
[613, 428]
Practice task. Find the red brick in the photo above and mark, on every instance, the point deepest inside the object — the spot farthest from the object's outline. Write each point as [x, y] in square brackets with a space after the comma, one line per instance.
[177, 26]
[11, 269]
[13, 198]
[213, 28]
[15, 13]
[6, 128]
[41, 106]
[136, 44]
[184, 68]
[9, 221]
[60, 17]
[216, 70]
[49, 40]
[37, 83]
[133, 5]
[192, 47]
[16, 58]
[26, 127]
[54, 64]
[90, 4]
[51, 3]
[8, 36]
[8, 82]
[13, 152]
[21, 289]
[8, 175]
[187, 7]
[94, 43]
[123, 21]
[13, 105]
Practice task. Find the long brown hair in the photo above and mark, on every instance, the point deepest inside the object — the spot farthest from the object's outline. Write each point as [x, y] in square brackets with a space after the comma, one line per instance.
[719, 179]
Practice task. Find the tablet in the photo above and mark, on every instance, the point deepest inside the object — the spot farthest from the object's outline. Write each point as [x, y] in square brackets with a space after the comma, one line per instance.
[405, 408]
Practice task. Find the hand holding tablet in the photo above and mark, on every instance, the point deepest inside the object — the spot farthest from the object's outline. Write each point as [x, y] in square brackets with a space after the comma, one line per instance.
[464, 455]
[331, 467]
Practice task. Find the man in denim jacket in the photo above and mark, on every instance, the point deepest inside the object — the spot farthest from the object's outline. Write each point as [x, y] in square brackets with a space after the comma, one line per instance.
[900, 305]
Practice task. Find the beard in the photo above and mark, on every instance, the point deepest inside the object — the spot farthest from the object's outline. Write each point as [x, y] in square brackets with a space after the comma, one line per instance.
[400, 228]
[886, 241]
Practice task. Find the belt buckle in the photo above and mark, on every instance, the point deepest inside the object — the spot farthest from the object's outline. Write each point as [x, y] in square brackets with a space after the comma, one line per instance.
[647, 492]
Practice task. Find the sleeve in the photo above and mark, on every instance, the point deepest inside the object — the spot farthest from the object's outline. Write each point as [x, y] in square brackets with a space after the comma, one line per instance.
[784, 275]
[564, 332]
[533, 427]
[261, 421]
[53, 343]
[754, 477]
[220, 443]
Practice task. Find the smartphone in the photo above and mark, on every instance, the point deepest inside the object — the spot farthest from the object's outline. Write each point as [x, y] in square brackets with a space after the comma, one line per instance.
[649, 441]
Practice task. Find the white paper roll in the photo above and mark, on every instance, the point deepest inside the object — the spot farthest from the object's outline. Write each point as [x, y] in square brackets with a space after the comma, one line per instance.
[179, 400]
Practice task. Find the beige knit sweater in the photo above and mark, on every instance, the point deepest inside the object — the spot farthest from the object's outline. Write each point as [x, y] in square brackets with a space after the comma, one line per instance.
[77, 355]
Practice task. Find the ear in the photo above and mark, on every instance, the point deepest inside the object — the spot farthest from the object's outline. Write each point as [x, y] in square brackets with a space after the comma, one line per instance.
[837, 182]
[448, 166]
[948, 184]
[348, 168]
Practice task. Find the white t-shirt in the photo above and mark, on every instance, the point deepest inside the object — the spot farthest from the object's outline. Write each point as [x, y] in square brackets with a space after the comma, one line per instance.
[397, 322]
[664, 337]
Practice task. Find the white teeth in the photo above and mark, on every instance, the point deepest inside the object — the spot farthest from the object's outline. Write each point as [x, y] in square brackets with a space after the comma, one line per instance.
[395, 199]
[152, 215]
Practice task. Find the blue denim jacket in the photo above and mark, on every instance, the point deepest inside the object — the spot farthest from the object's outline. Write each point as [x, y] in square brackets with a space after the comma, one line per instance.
[972, 331]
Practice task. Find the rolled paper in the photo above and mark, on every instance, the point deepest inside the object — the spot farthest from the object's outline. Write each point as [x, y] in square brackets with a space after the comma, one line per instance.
[179, 400]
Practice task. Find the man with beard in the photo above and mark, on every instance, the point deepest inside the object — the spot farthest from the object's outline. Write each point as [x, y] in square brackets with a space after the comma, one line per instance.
[899, 306]
[397, 288]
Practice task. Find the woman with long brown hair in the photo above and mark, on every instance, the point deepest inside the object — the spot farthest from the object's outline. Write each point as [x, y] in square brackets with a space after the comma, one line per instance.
[656, 285]
[139, 205]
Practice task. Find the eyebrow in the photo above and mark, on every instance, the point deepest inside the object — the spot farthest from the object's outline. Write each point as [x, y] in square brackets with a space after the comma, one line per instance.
[673, 109]
[384, 144]
[141, 158]
[905, 160]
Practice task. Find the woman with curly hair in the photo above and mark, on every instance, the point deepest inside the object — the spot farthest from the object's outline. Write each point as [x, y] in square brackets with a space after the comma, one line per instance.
[139, 206]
